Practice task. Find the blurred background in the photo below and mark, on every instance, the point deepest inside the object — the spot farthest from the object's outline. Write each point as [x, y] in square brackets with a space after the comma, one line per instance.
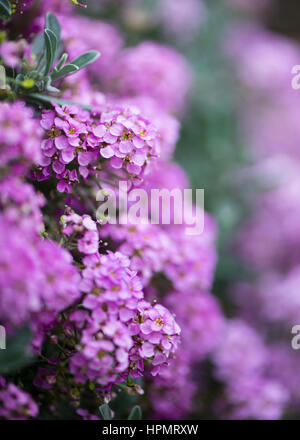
[240, 141]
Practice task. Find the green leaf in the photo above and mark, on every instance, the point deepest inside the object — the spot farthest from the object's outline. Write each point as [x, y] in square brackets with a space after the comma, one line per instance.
[52, 23]
[16, 355]
[105, 412]
[51, 46]
[67, 70]
[136, 413]
[61, 62]
[38, 44]
[5, 9]
[86, 58]
[49, 99]
[48, 86]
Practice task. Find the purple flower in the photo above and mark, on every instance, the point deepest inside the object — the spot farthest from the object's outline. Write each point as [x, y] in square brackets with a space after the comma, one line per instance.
[16, 404]
[154, 70]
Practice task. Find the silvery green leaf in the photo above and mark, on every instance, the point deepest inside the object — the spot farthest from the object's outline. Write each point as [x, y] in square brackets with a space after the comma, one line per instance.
[61, 62]
[38, 44]
[86, 58]
[68, 69]
[51, 46]
[48, 86]
[105, 412]
[52, 23]
[136, 413]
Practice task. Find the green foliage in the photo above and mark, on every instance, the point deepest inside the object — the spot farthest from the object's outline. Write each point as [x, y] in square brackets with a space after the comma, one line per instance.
[105, 412]
[135, 413]
[47, 48]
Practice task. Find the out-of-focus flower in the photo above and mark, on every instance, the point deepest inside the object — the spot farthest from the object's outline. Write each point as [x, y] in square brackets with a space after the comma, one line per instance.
[16, 404]
[181, 18]
[271, 237]
[21, 204]
[20, 137]
[240, 352]
[37, 277]
[266, 64]
[171, 393]
[154, 70]
[257, 398]
[199, 315]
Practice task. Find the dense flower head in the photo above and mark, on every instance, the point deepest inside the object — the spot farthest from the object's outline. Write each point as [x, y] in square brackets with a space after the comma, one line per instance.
[112, 292]
[20, 137]
[110, 284]
[85, 230]
[37, 276]
[156, 335]
[77, 143]
[154, 70]
[119, 330]
[102, 353]
[16, 404]
[199, 315]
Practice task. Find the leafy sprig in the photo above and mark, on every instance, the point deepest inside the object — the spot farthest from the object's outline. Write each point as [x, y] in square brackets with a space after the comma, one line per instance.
[51, 63]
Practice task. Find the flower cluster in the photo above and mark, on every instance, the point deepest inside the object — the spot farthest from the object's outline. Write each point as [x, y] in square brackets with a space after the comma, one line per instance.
[37, 276]
[119, 328]
[78, 143]
[156, 336]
